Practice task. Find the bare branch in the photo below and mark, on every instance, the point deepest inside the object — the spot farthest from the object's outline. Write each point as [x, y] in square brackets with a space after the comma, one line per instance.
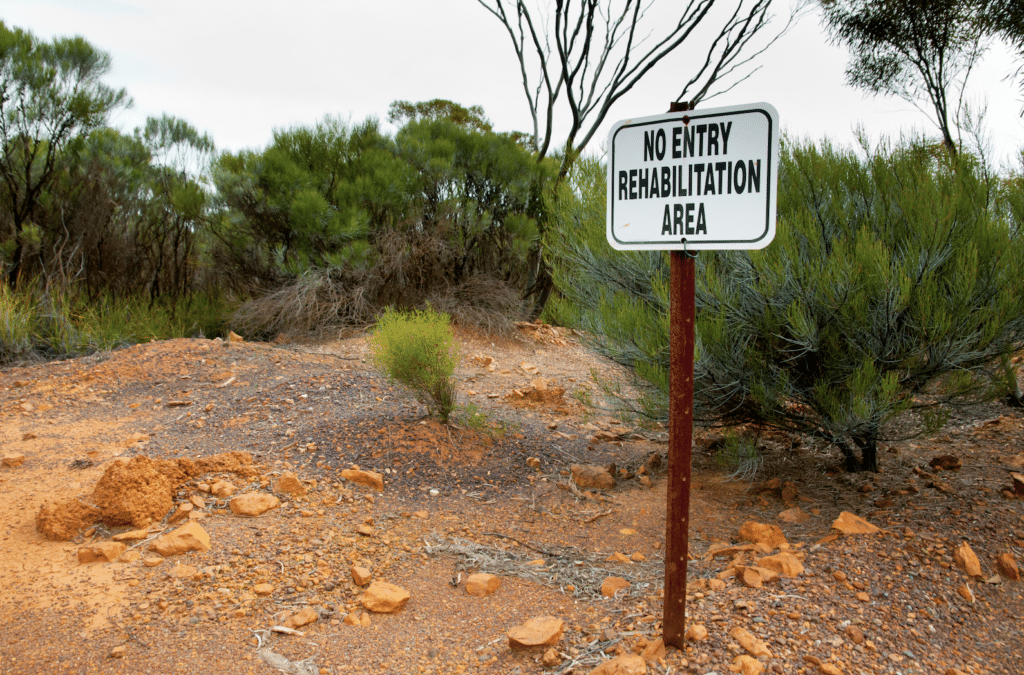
[603, 49]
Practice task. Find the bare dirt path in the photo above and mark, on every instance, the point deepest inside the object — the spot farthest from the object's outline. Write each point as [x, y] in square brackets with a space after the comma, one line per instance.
[492, 495]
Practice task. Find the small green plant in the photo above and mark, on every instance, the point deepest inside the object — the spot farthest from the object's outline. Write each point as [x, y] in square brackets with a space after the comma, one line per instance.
[473, 417]
[739, 456]
[15, 327]
[418, 350]
[585, 397]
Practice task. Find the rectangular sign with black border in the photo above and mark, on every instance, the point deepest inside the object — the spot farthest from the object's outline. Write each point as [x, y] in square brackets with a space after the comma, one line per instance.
[698, 180]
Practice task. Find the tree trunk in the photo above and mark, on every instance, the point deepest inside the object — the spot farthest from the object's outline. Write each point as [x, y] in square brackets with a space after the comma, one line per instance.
[868, 451]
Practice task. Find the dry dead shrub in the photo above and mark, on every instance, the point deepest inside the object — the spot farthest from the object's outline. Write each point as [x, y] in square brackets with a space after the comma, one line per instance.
[411, 271]
[482, 301]
[312, 304]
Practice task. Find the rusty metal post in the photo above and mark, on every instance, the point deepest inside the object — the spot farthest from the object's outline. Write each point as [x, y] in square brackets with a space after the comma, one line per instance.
[680, 433]
[682, 311]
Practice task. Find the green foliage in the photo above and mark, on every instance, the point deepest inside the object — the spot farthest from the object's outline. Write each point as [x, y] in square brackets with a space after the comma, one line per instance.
[439, 109]
[46, 323]
[739, 456]
[619, 299]
[15, 327]
[418, 350]
[918, 51]
[892, 286]
[50, 98]
[443, 212]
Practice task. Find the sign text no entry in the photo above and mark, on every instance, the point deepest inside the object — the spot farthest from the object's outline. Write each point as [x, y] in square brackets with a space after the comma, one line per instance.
[708, 177]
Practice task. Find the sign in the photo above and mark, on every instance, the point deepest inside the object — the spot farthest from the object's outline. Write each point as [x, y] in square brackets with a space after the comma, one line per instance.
[697, 180]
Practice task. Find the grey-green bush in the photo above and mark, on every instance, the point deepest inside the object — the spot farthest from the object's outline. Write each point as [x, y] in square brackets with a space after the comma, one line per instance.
[893, 286]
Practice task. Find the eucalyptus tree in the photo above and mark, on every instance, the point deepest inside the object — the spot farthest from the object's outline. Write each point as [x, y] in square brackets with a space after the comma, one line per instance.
[51, 97]
[443, 211]
[922, 51]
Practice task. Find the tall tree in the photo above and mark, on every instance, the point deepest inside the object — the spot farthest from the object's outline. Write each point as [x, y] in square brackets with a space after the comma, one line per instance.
[603, 49]
[402, 112]
[177, 205]
[595, 51]
[51, 96]
[1005, 18]
[919, 50]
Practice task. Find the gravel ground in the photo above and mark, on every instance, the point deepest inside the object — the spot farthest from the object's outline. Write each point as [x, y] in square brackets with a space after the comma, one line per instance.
[489, 494]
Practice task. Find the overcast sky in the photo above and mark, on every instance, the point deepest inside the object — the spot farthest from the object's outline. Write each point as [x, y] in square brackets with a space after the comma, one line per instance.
[238, 70]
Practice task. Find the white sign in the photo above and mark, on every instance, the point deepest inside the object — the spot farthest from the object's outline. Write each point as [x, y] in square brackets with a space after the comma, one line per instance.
[696, 180]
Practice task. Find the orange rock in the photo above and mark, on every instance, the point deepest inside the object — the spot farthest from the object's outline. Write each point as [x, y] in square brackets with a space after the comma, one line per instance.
[103, 551]
[262, 589]
[182, 572]
[696, 632]
[384, 597]
[481, 585]
[551, 658]
[848, 523]
[289, 483]
[360, 575]
[370, 479]
[722, 550]
[794, 515]
[540, 630]
[750, 578]
[189, 537]
[746, 665]
[132, 535]
[253, 504]
[223, 488]
[829, 669]
[966, 560]
[591, 476]
[303, 617]
[761, 533]
[784, 563]
[613, 585]
[63, 521]
[1008, 566]
[624, 664]
[747, 640]
[133, 493]
[14, 459]
[654, 650]
[181, 513]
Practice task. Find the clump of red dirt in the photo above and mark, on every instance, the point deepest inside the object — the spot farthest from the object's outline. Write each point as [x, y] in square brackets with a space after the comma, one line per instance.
[537, 397]
[133, 493]
[137, 493]
[64, 520]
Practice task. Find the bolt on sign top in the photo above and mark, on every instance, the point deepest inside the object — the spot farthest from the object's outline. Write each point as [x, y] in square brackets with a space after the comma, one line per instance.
[698, 180]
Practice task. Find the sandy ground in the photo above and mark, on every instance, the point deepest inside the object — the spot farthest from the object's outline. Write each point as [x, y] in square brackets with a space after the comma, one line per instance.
[493, 496]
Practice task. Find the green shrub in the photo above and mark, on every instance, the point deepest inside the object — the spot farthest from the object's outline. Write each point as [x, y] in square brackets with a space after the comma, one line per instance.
[47, 323]
[418, 350]
[893, 287]
[15, 327]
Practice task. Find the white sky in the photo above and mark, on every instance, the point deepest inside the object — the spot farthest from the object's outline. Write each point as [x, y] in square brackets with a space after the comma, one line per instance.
[239, 69]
